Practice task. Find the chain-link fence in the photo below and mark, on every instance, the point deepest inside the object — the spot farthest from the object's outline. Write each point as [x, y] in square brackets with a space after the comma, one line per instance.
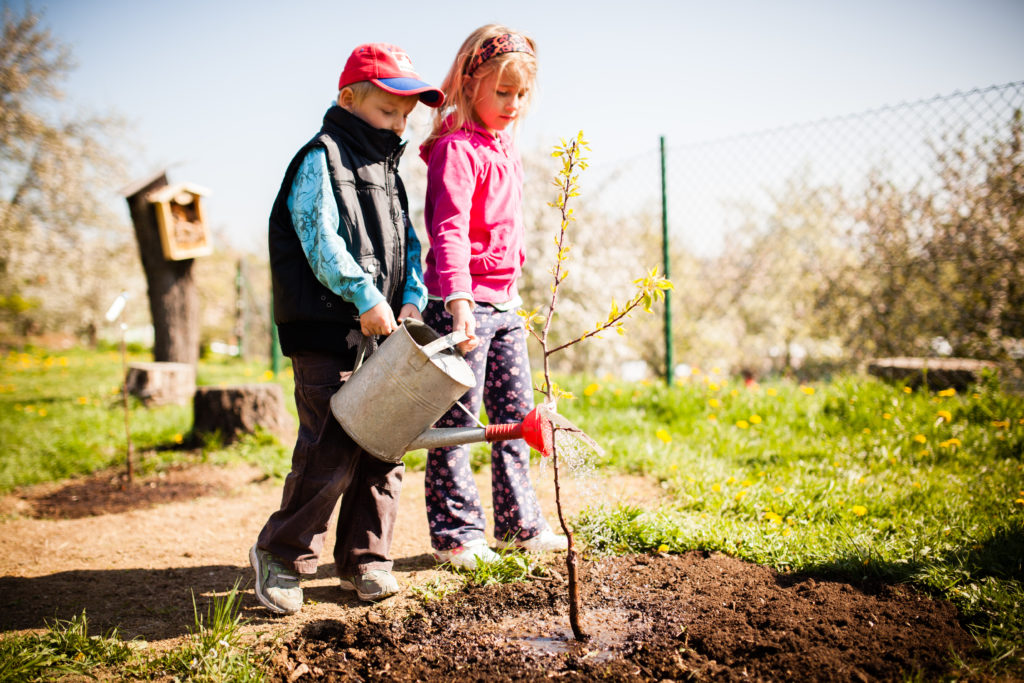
[895, 231]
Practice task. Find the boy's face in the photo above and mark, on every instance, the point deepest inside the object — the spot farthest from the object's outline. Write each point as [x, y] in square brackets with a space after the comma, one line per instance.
[380, 109]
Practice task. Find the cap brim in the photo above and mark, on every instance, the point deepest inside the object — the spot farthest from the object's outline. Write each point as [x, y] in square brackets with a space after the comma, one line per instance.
[429, 95]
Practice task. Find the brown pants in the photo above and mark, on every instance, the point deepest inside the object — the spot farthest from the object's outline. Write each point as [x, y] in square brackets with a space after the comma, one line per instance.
[326, 464]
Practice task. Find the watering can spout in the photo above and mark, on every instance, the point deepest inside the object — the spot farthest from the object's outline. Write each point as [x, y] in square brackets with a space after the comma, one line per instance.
[534, 430]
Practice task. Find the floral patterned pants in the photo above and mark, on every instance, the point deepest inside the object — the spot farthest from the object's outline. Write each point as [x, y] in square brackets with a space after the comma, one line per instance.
[502, 369]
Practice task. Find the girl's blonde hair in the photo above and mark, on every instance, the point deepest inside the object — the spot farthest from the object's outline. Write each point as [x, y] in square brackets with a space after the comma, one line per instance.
[461, 83]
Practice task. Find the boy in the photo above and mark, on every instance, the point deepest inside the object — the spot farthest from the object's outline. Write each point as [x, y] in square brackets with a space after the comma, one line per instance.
[345, 263]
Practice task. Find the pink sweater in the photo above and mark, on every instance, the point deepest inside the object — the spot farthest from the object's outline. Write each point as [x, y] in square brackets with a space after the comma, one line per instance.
[474, 215]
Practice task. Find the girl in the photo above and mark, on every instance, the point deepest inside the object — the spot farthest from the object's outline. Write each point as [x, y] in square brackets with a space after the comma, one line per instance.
[474, 221]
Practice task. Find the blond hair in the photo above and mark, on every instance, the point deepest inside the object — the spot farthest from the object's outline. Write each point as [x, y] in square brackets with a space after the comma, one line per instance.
[460, 86]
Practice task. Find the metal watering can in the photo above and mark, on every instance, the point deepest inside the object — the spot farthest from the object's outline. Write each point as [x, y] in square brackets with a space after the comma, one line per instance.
[390, 402]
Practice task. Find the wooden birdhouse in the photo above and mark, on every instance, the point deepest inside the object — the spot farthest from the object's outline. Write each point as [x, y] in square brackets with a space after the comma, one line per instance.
[184, 233]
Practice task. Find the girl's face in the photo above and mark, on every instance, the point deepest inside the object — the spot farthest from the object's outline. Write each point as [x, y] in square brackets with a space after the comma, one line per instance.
[497, 103]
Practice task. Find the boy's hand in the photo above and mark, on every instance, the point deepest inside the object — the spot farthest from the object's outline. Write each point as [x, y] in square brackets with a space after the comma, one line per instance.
[379, 320]
[409, 311]
[462, 319]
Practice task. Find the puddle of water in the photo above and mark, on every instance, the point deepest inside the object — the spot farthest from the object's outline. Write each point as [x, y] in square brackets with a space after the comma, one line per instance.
[609, 630]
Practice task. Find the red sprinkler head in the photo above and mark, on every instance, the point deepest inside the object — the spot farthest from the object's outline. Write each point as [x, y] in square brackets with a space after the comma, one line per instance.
[535, 430]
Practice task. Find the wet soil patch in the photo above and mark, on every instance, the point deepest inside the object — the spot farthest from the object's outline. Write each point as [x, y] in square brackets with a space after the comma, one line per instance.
[697, 616]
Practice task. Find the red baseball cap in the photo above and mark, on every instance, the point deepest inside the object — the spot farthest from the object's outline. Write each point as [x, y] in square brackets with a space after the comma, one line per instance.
[389, 68]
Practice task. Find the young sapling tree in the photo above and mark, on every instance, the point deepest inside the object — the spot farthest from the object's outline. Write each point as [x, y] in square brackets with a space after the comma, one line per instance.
[649, 289]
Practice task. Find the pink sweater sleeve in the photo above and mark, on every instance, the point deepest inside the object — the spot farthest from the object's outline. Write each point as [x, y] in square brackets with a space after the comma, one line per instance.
[451, 184]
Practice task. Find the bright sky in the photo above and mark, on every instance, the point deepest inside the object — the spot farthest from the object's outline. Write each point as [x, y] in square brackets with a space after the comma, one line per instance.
[223, 93]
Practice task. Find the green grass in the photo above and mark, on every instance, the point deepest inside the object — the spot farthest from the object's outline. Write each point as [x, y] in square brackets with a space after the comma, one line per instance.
[854, 478]
[62, 415]
[211, 652]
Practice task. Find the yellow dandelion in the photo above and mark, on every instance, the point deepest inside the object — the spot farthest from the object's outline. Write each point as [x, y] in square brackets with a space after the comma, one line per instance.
[716, 371]
[42, 412]
[662, 548]
[867, 430]
[807, 390]
[673, 467]
[663, 435]
[83, 400]
[713, 387]
[712, 417]
[770, 391]
[716, 487]
[730, 480]
[786, 532]
[714, 403]
[886, 416]
[591, 389]
[951, 443]
[739, 495]
[268, 375]
[920, 438]
[916, 484]
[1019, 501]
[734, 393]
[948, 392]
[945, 415]
[859, 510]
[742, 424]
[907, 390]
[773, 517]
[178, 438]
[779, 489]
[924, 454]
[1001, 424]
[755, 419]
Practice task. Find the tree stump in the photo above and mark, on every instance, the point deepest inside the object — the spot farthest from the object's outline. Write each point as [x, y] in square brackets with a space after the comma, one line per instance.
[935, 373]
[239, 409]
[161, 383]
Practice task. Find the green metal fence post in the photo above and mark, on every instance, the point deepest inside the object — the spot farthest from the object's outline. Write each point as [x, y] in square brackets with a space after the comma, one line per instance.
[669, 361]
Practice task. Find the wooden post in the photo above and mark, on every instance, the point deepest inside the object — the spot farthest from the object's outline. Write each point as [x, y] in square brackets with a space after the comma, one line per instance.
[173, 297]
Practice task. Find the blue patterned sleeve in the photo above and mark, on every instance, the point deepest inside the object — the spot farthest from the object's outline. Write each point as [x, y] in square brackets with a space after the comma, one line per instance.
[315, 217]
[415, 291]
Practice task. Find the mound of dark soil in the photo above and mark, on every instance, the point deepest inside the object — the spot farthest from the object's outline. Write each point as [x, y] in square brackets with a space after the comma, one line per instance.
[695, 616]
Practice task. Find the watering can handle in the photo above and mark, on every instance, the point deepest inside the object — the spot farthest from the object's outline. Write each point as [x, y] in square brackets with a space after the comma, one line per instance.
[445, 342]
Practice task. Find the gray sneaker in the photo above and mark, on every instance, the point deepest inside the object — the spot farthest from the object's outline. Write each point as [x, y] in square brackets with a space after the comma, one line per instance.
[276, 587]
[371, 586]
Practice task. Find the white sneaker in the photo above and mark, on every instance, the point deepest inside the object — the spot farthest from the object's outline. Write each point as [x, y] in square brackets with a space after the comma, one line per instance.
[546, 541]
[469, 555]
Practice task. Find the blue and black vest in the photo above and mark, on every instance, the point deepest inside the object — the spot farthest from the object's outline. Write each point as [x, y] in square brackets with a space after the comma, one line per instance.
[363, 164]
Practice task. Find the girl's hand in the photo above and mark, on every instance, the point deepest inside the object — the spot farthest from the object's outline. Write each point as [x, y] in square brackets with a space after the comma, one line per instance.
[379, 320]
[409, 311]
[462, 319]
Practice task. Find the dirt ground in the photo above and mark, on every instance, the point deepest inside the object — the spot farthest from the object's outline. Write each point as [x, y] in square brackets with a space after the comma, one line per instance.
[133, 560]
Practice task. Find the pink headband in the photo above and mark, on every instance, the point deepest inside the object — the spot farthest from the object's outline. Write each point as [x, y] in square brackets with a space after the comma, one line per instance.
[498, 45]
